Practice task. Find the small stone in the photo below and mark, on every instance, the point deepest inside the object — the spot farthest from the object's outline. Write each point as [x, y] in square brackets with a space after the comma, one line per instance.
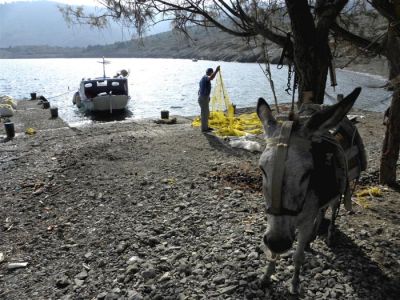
[186, 269]
[326, 272]
[13, 266]
[101, 295]
[253, 255]
[79, 282]
[38, 191]
[121, 247]
[150, 273]
[184, 280]
[133, 259]
[62, 282]
[331, 282]
[318, 276]
[111, 296]
[251, 276]
[153, 241]
[219, 279]
[132, 269]
[290, 268]
[228, 289]
[165, 277]
[204, 283]
[82, 275]
[316, 270]
[134, 295]
[338, 287]
[242, 283]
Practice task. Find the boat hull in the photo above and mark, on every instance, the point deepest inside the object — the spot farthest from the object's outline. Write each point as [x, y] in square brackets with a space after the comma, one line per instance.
[106, 103]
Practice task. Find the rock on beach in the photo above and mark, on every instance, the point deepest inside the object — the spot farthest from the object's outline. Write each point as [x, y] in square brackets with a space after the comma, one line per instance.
[181, 216]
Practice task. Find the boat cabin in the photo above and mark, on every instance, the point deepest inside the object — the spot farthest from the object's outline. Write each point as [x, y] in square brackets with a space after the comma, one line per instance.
[92, 88]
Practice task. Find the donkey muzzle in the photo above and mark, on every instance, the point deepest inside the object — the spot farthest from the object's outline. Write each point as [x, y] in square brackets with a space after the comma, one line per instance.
[277, 244]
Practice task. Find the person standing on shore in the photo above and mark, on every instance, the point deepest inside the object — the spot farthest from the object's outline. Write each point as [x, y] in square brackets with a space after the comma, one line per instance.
[204, 97]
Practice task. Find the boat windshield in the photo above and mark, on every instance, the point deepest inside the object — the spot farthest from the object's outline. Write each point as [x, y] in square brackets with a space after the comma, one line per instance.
[116, 86]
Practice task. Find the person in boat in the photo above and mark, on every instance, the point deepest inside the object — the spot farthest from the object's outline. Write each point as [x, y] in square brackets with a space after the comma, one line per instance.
[204, 97]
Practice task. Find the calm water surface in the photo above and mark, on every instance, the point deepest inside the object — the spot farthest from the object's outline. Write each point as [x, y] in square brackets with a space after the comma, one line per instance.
[163, 84]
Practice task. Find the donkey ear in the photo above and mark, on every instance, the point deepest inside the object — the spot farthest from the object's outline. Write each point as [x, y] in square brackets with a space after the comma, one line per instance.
[331, 116]
[265, 114]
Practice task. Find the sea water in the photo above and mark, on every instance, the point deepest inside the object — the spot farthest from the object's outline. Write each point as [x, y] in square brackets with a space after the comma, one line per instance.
[165, 84]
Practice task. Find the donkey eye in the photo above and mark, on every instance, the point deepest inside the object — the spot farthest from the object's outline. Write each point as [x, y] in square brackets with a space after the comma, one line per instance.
[305, 176]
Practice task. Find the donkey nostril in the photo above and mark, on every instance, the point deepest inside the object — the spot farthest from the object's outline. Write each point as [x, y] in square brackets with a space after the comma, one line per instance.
[277, 244]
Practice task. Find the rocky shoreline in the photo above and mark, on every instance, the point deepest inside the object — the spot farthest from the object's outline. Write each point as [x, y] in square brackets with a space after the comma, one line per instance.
[138, 210]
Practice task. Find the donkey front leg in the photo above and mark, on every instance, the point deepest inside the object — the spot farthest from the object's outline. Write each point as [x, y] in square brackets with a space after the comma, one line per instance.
[265, 280]
[317, 224]
[304, 235]
[331, 230]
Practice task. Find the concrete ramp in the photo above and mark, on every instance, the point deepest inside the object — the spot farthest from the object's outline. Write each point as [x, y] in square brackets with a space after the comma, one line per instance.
[30, 114]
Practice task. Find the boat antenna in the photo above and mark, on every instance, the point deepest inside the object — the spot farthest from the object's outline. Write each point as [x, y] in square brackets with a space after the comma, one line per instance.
[104, 62]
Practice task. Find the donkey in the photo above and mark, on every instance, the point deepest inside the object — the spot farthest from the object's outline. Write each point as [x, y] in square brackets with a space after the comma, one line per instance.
[298, 185]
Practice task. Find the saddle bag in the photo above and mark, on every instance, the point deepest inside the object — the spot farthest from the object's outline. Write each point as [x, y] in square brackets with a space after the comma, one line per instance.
[348, 137]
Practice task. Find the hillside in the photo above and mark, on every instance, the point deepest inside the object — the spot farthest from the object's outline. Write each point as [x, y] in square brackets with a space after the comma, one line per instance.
[210, 44]
[205, 44]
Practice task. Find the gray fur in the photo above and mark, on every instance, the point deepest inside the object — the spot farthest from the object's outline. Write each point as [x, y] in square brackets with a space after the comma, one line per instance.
[297, 192]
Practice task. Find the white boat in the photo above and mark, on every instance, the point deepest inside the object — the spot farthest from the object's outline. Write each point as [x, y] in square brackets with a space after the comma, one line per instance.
[103, 94]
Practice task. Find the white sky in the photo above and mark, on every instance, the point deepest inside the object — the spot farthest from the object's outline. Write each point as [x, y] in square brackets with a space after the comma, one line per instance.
[72, 2]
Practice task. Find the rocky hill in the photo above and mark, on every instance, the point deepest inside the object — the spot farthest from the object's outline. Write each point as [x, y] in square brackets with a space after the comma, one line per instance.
[209, 44]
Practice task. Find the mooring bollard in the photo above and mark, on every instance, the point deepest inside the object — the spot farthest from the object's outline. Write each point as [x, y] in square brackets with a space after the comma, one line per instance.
[46, 105]
[164, 114]
[33, 96]
[10, 131]
[54, 112]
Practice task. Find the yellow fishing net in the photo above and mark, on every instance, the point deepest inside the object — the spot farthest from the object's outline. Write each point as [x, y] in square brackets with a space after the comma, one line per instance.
[222, 116]
[363, 195]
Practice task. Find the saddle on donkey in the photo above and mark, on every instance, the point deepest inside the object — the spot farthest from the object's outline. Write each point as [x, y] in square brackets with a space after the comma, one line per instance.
[339, 157]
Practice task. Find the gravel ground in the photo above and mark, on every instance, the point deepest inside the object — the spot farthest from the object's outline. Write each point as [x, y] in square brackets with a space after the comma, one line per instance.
[143, 211]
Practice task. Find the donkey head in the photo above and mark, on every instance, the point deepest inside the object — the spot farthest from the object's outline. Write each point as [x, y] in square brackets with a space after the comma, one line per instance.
[287, 167]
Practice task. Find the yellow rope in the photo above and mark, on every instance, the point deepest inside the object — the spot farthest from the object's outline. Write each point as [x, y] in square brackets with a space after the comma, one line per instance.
[222, 117]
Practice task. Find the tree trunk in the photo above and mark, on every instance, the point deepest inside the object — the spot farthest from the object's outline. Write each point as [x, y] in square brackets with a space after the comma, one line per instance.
[311, 50]
[391, 143]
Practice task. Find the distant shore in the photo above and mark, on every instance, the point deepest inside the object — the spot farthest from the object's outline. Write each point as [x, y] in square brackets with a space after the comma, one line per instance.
[375, 66]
